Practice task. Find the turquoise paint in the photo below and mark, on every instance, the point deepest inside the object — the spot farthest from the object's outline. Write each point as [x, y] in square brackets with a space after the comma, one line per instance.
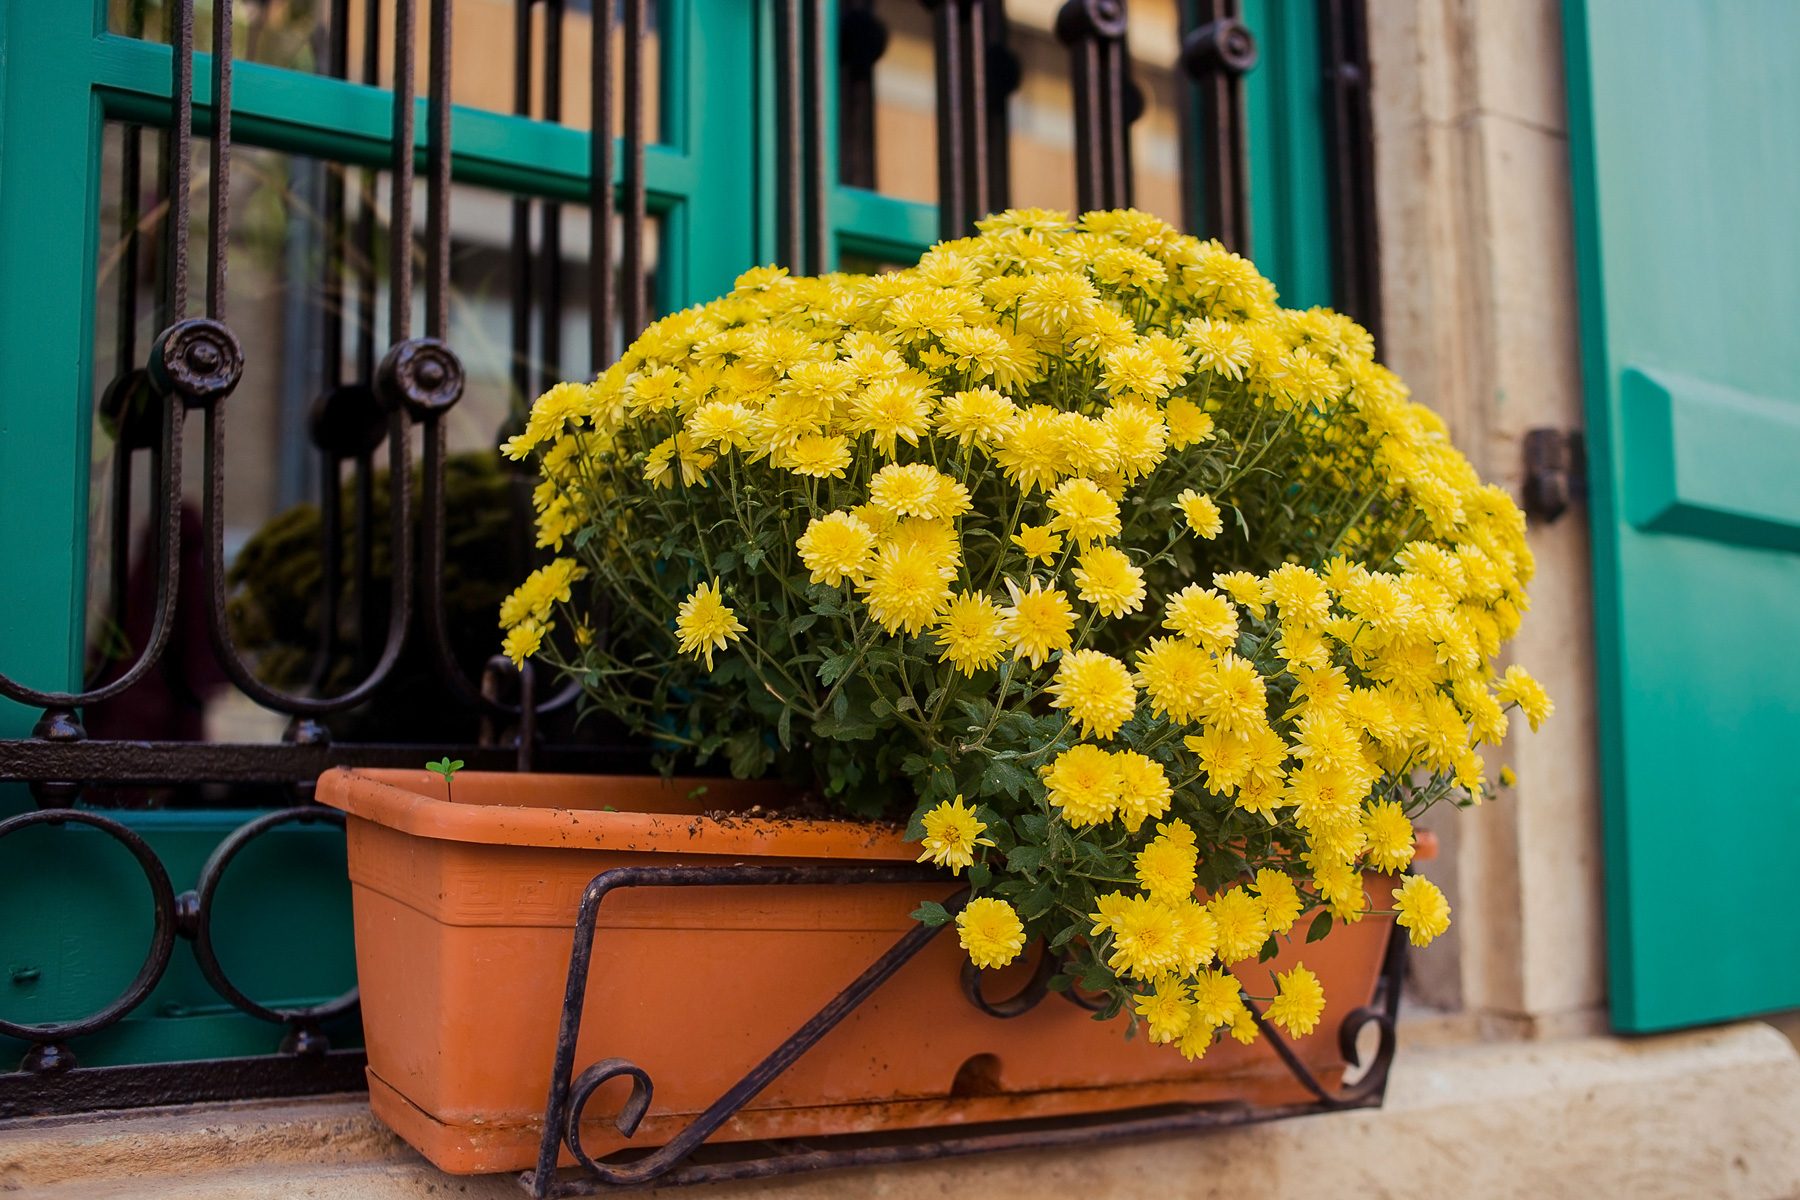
[1685, 155]
[49, 159]
[1290, 213]
[1710, 461]
[352, 122]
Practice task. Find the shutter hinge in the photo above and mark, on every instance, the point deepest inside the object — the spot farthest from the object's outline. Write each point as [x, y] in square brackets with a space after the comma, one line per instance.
[1555, 472]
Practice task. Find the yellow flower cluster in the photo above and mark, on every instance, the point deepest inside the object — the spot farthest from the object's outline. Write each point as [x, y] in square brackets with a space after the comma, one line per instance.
[1072, 518]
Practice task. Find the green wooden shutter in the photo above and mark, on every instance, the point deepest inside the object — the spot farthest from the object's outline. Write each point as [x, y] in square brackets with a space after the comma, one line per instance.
[1685, 132]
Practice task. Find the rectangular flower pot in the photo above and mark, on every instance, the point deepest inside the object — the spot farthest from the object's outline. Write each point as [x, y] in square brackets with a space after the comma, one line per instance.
[465, 905]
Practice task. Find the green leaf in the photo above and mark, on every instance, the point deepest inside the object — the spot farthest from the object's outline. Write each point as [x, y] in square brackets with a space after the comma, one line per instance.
[446, 766]
[1321, 925]
[931, 914]
[980, 875]
[1094, 978]
[1270, 949]
[1036, 902]
[1026, 859]
[1059, 983]
[1064, 936]
[833, 668]
[801, 624]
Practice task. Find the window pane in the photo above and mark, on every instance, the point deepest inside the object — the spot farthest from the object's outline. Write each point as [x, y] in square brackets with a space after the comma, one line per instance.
[301, 337]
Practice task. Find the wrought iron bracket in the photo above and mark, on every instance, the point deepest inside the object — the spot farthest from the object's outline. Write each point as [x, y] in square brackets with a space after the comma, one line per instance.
[672, 1164]
[1555, 472]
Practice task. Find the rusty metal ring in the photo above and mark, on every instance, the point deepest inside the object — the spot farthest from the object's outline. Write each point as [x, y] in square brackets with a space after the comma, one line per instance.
[195, 916]
[162, 936]
[423, 374]
[198, 359]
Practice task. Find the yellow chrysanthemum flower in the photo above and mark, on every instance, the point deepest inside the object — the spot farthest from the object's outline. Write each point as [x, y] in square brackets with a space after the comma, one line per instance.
[1084, 511]
[836, 547]
[1165, 1010]
[917, 490]
[1038, 622]
[1298, 1004]
[1201, 513]
[1202, 615]
[970, 633]
[1096, 690]
[1144, 789]
[522, 641]
[952, 832]
[1040, 543]
[1423, 911]
[1165, 870]
[907, 587]
[990, 931]
[817, 456]
[1388, 836]
[705, 623]
[1105, 578]
[1518, 687]
[1242, 924]
[1083, 785]
[1281, 901]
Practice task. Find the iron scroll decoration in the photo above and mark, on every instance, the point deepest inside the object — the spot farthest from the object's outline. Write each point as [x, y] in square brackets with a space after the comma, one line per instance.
[670, 1164]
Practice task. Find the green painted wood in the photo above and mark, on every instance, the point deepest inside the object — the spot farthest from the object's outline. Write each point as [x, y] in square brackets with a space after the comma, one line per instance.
[1290, 211]
[352, 122]
[1685, 144]
[49, 160]
[1710, 461]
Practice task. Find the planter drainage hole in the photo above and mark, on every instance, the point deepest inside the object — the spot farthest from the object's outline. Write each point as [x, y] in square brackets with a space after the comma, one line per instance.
[979, 1076]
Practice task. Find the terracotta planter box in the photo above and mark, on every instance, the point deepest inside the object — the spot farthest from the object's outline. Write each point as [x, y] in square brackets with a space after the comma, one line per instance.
[464, 914]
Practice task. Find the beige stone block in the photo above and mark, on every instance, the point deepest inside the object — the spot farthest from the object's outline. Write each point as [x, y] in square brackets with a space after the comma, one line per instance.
[1704, 1114]
[1529, 270]
[1516, 50]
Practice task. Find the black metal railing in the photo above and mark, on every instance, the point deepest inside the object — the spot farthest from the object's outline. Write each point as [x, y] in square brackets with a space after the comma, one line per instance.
[403, 387]
[688, 1158]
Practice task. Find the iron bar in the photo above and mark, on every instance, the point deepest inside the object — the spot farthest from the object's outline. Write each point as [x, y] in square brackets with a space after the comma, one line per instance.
[1217, 51]
[790, 123]
[1350, 167]
[635, 306]
[862, 40]
[550, 275]
[103, 762]
[1094, 31]
[523, 293]
[202, 1081]
[601, 290]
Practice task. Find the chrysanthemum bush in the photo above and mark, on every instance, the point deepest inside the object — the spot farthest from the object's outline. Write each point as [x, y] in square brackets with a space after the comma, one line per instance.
[1156, 608]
